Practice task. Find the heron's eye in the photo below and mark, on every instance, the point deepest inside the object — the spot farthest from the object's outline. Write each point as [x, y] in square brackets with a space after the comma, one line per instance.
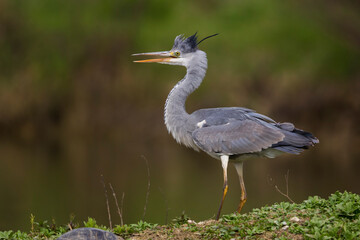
[177, 54]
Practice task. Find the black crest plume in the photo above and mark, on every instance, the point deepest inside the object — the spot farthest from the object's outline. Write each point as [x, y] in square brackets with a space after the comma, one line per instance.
[207, 38]
[190, 44]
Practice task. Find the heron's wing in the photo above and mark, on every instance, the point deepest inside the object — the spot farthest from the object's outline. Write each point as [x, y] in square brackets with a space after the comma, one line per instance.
[236, 137]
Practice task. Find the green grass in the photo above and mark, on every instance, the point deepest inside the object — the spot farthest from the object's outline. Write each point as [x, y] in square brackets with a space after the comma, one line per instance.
[316, 218]
[337, 217]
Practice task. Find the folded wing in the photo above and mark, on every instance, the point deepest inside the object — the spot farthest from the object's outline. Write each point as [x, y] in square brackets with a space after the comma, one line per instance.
[237, 137]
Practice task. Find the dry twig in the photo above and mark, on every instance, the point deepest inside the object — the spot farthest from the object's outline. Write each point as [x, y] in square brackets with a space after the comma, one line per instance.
[287, 187]
[122, 202]
[107, 200]
[117, 205]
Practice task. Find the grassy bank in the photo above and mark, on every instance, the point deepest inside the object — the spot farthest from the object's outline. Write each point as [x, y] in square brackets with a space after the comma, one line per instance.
[337, 217]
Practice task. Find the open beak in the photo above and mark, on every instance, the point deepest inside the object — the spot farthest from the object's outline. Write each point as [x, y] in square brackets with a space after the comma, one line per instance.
[164, 57]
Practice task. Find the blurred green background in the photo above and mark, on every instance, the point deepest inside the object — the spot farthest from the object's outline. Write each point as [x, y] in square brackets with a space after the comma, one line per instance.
[74, 106]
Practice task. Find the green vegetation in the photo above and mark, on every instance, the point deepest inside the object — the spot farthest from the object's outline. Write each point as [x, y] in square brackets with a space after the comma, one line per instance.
[338, 217]
[315, 218]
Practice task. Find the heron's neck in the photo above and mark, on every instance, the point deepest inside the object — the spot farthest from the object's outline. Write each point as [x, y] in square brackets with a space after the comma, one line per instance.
[175, 113]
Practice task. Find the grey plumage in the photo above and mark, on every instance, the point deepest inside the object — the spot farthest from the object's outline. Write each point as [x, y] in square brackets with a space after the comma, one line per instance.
[185, 45]
[231, 133]
[237, 131]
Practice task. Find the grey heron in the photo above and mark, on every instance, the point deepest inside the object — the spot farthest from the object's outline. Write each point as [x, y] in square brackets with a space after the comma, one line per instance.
[228, 134]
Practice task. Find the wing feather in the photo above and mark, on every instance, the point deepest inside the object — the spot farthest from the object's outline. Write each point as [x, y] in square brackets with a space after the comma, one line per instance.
[237, 137]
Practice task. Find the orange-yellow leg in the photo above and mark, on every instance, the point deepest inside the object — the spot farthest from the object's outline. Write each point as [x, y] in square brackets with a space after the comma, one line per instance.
[239, 169]
[224, 164]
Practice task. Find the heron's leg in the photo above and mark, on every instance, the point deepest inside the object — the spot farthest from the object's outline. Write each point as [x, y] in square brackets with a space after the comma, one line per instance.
[239, 169]
[224, 164]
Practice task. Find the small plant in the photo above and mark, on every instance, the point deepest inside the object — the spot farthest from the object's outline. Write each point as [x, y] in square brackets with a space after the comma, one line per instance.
[32, 220]
[128, 229]
[181, 220]
[6, 234]
[91, 222]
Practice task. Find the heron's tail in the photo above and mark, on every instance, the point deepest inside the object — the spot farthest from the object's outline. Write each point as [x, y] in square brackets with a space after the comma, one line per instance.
[295, 141]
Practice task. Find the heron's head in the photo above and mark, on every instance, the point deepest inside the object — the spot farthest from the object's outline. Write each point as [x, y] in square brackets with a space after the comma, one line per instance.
[182, 52]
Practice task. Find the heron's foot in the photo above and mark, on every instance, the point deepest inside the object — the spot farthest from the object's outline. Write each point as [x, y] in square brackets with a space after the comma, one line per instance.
[241, 204]
[222, 201]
